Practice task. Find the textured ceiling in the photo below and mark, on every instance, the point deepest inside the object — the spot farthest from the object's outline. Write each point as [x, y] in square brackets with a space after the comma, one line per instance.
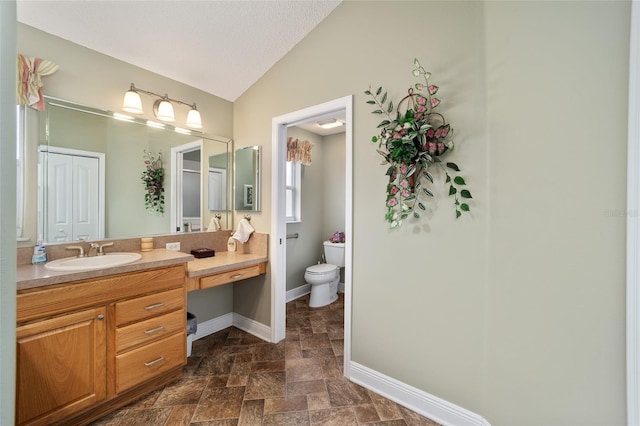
[220, 47]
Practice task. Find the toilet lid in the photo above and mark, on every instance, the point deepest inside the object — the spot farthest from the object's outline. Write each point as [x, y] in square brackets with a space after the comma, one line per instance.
[321, 268]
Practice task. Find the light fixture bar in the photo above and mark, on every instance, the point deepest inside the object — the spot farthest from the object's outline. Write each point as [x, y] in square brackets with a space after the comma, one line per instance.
[162, 108]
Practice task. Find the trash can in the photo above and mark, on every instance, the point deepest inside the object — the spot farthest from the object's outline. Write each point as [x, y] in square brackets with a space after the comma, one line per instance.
[192, 327]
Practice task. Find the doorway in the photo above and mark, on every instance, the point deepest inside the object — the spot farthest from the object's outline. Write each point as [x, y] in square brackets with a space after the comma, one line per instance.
[278, 214]
[186, 187]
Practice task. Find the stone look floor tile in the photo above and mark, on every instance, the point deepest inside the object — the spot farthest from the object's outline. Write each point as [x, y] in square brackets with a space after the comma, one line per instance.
[146, 416]
[283, 405]
[333, 417]
[303, 370]
[181, 415]
[342, 393]
[251, 412]
[185, 391]
[265, 384]
[299, 418]
[234, 378]
[366, 413]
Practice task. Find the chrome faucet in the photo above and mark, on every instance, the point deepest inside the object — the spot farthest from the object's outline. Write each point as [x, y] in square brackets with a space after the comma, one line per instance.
[101, 248]
[79, 248]
[93, 250]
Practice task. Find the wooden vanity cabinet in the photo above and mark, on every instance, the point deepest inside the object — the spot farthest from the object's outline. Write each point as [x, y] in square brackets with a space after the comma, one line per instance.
[61, 366]
[87, 348]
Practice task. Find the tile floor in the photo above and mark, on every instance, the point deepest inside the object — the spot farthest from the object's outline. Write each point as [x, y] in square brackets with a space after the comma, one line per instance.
[234, 378]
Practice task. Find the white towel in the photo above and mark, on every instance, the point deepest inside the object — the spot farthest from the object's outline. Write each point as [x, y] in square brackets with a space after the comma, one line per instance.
[214, 225]
[244, 231]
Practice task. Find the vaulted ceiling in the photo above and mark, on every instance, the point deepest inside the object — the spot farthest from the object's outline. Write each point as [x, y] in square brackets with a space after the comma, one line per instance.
[220, 47]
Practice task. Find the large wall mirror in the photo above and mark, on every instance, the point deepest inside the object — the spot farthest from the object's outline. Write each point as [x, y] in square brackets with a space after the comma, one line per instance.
[247, 178]
[90, 166]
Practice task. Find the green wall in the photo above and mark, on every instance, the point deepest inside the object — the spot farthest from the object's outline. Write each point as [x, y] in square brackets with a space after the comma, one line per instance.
[516, 311]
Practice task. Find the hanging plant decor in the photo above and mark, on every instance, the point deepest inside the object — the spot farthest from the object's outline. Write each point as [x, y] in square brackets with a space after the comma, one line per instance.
[412, 139]
[153, 178]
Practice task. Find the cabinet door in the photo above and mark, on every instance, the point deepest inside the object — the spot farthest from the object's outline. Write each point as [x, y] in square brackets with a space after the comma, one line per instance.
[61, 366]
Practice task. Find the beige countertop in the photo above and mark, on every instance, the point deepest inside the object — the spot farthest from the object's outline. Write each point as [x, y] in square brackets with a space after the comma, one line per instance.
[222, 262]
[32, 276]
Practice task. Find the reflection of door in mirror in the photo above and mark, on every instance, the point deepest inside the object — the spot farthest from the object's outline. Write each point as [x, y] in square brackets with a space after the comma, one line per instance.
[217, 182]
[186, 165]
[71, 194]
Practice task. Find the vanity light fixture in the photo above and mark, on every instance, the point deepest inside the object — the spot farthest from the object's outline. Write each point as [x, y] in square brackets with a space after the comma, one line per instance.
[330, 124]
[162, 107]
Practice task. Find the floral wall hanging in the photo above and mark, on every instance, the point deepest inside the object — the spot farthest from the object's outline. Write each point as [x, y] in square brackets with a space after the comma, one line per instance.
[30, 73]
[153, 179]
[412, 139]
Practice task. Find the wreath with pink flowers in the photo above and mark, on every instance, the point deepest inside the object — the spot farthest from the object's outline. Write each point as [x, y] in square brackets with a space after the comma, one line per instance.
[413, 138]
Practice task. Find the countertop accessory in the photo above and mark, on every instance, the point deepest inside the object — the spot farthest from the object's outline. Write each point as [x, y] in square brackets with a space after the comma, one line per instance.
[203, 253]
[146, 244]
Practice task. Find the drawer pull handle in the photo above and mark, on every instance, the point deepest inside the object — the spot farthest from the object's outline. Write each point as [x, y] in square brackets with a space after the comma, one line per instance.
[156, 306]
[155, 361]
[100, 317]
[233, 277]
[155, 330]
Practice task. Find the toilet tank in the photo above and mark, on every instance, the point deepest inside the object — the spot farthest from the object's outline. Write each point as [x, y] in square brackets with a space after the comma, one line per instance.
[334, 253]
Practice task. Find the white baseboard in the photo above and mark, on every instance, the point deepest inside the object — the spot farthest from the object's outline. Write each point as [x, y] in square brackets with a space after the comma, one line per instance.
[252, 327]
[437, 409]
[214, 325]
[297, 292]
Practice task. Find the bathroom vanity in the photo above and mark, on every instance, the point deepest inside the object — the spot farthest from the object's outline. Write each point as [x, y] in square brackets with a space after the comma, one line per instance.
[88, 345]
[89, 342]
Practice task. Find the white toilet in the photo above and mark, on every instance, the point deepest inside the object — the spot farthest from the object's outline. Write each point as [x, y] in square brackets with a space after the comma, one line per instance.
[324, 277]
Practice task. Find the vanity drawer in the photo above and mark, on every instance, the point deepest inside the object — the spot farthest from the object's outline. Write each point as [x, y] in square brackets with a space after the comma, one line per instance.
[146, 307]
[232, 276]
[149, 361]
[149, 330]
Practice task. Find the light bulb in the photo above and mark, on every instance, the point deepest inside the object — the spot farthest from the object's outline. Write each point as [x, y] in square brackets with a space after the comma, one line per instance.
[164, 110]
[132, 102]
[193, 118]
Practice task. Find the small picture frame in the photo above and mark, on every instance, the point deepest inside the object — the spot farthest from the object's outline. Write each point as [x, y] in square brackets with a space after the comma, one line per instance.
[248, 196]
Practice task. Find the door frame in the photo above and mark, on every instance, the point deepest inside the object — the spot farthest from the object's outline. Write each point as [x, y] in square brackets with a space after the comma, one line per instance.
[277, 239]
[633, 223]
[42, 173]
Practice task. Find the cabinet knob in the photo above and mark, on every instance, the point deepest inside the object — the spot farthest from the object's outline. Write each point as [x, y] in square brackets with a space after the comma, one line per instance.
[100, 317]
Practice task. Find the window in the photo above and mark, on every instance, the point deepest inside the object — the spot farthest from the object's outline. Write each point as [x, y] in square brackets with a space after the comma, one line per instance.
[293, 180]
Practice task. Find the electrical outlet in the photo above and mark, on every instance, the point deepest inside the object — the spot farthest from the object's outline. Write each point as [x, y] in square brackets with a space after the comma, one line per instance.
[173, 246]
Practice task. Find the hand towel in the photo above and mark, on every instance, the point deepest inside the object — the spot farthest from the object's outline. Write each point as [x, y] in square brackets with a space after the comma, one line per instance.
[214, 225]
[244, 231]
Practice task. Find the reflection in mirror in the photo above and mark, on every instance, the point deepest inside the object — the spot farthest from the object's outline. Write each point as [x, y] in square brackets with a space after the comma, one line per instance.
[247, 178]
[96, 175]
[217, 179]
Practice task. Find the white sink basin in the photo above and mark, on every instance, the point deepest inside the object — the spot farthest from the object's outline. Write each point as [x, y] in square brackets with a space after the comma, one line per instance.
[107, 260]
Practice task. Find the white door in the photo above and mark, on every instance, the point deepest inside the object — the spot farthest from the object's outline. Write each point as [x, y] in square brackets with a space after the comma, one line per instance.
[71, 198]
[217, 189]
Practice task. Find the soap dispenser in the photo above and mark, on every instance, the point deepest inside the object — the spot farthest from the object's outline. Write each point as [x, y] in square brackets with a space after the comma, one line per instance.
[231, 244]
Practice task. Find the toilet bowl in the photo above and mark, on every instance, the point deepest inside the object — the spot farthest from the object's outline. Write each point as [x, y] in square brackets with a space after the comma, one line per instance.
[324, 277]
